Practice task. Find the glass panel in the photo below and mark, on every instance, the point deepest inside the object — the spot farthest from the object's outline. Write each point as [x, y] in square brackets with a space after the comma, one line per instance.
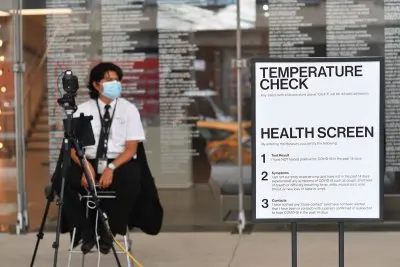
[176, 57]
[35, 113]
[8, 174]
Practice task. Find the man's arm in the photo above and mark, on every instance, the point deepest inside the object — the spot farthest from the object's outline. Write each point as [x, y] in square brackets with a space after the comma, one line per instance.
[74, 157]
[134, 134]
[83, 108]
[127, 155]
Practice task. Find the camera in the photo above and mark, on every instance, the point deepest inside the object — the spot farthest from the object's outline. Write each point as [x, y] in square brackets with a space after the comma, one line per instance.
[70, 86]
[70, 82]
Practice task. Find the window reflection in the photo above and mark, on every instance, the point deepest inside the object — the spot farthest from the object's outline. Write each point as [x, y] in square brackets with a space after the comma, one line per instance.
[177, 59]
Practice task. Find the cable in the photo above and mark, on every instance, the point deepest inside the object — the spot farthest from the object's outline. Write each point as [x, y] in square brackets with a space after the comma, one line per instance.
[241, 225]
[91, 205]
[127, 253]
[97, 238]
[235, 250]
[96, 226]
[58, 83]
[59, 91]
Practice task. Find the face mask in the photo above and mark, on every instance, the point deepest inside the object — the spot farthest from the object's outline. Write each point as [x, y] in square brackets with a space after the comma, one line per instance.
[112, 90]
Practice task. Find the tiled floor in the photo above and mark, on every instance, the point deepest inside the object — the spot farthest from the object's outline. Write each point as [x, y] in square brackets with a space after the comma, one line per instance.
[220, 250]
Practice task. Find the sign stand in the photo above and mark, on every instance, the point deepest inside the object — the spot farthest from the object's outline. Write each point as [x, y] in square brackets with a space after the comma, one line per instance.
[341, 244]
[294, 243]
[317, 142]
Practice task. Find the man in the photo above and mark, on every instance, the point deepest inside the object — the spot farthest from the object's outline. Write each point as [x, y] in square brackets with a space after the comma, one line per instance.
[117, 129]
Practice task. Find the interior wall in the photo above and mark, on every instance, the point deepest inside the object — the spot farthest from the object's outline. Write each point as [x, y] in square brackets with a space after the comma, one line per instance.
[34, 38]
[7, 118]
[34, 46]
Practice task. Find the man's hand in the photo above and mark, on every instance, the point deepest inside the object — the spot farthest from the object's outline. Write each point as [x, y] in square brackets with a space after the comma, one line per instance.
[91, 172]
[83, 181]
[106, 178]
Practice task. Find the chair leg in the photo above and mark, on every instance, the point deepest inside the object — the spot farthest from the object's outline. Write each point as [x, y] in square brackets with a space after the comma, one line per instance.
[83, 260]
[97, 238]
[71, 247]
[221, 208]
[129, 240]
[128, 260]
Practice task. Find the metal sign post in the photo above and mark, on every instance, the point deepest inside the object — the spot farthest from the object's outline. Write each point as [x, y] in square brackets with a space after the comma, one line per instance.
[18, 69]
[341, 244]
[241, 215]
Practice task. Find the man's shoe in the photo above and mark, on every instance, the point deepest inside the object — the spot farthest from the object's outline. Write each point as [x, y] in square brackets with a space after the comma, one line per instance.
[105, 244]
[88, 245]
[105, 247]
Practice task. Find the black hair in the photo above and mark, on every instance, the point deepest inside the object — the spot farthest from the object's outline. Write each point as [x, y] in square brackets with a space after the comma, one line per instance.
[97, 74]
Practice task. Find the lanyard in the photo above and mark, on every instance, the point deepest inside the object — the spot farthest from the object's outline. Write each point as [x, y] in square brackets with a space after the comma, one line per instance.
[105, 129]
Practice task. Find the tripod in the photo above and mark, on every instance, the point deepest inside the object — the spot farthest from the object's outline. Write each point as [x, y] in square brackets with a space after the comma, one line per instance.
[70, 139]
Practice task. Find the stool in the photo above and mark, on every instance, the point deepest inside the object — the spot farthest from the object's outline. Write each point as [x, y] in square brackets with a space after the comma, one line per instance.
[127, 241]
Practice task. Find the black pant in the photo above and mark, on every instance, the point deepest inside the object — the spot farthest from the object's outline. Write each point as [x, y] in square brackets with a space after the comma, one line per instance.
[126, 184]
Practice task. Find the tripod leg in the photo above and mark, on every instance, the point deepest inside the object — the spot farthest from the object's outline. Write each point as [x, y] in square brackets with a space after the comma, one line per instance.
[71, 247]
[126, 243]
[65, 166]
[40, 232]
[115, 255]
[107, 229]
[58, 229]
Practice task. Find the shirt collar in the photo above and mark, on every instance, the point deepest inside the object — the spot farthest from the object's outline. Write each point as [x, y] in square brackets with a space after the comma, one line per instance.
[102, 104]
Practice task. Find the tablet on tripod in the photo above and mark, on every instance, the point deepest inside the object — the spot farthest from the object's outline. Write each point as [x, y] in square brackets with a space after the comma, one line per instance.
[82, 130]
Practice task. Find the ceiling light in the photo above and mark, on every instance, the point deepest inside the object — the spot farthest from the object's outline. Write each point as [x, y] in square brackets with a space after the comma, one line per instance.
[1, 43]
[40, 11]
[0, 128]
[265, 7]
[2, 58]
[1, 145]
[3, 89]
[1, 72]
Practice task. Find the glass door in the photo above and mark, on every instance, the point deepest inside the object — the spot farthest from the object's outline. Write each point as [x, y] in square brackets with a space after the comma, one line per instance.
[11, 173]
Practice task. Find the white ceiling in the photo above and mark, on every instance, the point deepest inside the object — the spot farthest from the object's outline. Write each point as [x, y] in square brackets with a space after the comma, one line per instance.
[6, 5]
[191, 18]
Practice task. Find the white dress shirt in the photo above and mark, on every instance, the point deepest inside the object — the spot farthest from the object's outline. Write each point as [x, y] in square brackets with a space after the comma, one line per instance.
[126, 125]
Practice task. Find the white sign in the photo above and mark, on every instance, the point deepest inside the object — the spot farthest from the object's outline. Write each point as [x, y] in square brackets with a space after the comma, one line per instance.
[317, 139]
